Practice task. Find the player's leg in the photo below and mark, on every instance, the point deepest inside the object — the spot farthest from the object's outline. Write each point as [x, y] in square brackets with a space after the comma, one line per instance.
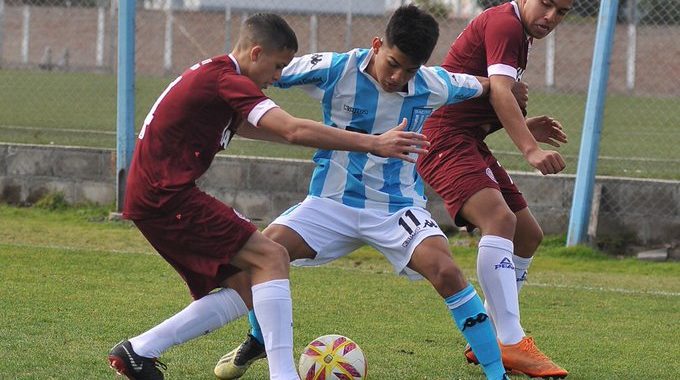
[528, 236]
[432, 259]
[495, 270]
[181, 239]
[415, 245]
[315, 225]
[267, 263]
[522, 356]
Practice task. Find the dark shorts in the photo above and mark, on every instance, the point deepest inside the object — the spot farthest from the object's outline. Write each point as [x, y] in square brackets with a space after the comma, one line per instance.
[199, 238]
[460, 166]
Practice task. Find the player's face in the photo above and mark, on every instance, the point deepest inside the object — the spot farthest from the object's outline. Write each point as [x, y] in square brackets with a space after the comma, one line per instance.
[266, 65]
[391, 68]
[540, 17]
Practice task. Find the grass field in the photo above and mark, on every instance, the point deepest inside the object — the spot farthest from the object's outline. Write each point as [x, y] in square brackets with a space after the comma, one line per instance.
[74, 284]
[639, 138]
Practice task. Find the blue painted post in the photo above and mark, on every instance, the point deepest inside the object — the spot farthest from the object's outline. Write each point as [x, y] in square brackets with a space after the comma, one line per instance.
[125, 117]
[592, 123]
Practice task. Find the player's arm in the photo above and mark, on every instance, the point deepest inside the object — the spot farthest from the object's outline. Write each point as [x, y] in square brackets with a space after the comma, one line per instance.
[509, 113]
[249, 131]
[395, 143]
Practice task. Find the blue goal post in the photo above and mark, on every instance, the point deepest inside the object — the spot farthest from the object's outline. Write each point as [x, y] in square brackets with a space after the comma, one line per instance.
[592, 124]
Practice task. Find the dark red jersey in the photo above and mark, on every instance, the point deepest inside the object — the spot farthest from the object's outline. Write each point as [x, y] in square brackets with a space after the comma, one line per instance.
[193, 119]
[494, 43]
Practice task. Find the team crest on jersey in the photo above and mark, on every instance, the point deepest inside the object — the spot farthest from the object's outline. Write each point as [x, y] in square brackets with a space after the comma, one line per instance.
[489, 173]
[418, 116]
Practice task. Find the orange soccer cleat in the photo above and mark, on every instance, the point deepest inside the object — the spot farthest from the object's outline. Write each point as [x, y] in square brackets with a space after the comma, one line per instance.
[525, 358]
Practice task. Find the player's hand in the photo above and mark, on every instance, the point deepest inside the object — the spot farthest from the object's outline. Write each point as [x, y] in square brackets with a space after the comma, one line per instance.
[546, 161]
[398, 143]
[521, 92]
[547, 130]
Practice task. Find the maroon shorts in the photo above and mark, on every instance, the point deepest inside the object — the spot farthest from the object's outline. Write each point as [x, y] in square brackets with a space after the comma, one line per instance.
[459, 166]
[199, 238]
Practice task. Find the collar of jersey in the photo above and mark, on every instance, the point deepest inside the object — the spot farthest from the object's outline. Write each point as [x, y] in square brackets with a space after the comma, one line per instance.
[364, 65]
[233, 59]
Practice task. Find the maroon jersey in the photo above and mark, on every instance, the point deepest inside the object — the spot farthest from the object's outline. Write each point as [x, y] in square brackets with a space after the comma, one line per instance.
[494, 43]
[193, 119]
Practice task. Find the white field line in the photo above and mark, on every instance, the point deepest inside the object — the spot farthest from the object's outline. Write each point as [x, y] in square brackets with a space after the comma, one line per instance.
[529, 283]
[560, 286]
[74, 249]
[65, 130]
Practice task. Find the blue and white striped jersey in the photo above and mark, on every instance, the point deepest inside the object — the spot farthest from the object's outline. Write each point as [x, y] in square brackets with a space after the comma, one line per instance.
[351, 99]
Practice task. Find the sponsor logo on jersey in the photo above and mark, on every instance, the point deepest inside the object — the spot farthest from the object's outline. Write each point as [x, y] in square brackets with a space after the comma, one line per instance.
[354, 110]
[428, 224]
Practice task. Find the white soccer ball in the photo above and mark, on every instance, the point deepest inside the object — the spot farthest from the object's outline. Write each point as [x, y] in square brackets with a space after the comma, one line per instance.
[332, 357]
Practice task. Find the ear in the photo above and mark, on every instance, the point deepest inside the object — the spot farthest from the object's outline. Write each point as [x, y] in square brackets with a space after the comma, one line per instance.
[255, 53]
[376, 44]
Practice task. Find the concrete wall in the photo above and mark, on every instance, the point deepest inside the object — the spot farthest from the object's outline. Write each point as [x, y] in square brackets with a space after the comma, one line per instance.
[261, 188]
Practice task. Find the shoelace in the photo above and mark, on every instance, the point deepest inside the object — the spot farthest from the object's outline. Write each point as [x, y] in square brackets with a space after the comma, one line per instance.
[529, 346]
[160, 364]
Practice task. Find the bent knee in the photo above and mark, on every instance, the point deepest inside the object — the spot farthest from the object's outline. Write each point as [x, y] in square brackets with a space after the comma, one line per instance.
[274, 258]
[448, 280]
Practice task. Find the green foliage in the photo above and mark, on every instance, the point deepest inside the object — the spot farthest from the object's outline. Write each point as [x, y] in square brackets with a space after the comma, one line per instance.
[52, 201]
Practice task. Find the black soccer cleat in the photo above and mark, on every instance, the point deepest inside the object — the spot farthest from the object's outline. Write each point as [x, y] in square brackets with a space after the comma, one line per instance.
[126, 362]
[234, 364]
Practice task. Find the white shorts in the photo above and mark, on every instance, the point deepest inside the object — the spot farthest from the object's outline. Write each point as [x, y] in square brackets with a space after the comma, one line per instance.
[334, 230]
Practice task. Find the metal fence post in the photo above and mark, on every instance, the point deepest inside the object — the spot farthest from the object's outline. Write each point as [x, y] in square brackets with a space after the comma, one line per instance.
[25, 33]
[632, 46]
[348, 35]
[227, 26]
[592, 123]
[167, 52]
[2, 28]
[125, 117]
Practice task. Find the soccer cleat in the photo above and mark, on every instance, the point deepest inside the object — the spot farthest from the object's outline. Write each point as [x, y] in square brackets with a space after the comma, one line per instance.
[524, 358]
[234, 364]
[126, 362]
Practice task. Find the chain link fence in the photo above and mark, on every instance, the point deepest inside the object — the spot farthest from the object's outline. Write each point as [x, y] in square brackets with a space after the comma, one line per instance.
[58, 57]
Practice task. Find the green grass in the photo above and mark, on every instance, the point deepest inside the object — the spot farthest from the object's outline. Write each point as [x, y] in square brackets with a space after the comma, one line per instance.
[74, 284]
[639, 137]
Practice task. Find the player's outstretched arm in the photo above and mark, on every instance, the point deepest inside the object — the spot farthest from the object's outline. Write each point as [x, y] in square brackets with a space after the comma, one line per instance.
[395, 143]
[510, 115]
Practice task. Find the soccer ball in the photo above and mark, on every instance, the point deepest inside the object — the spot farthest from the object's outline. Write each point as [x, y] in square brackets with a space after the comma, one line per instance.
[332, 357]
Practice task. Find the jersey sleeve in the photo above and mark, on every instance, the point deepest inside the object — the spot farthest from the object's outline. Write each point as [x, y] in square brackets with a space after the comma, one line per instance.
[503, 39]
[310, 72]
[454, 87]
[244, 96]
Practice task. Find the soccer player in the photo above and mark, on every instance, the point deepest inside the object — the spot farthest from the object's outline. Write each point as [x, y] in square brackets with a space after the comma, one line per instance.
[476, 190]
[356, 198]
[205, 240]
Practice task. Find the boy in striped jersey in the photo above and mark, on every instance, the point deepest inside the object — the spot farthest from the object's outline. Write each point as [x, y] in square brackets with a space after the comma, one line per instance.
[356, 199]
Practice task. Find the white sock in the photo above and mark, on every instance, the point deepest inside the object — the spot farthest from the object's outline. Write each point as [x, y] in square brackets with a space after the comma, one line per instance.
[199, 318]
[496, 274]
[274, 309]
[521, 270]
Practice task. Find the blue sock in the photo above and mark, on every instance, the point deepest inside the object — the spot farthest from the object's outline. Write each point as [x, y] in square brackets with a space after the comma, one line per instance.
[470, 316]
[255, 327]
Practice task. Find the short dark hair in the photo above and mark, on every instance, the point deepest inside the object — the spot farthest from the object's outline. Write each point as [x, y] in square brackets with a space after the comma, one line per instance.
[270, 31]
[414, 31]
